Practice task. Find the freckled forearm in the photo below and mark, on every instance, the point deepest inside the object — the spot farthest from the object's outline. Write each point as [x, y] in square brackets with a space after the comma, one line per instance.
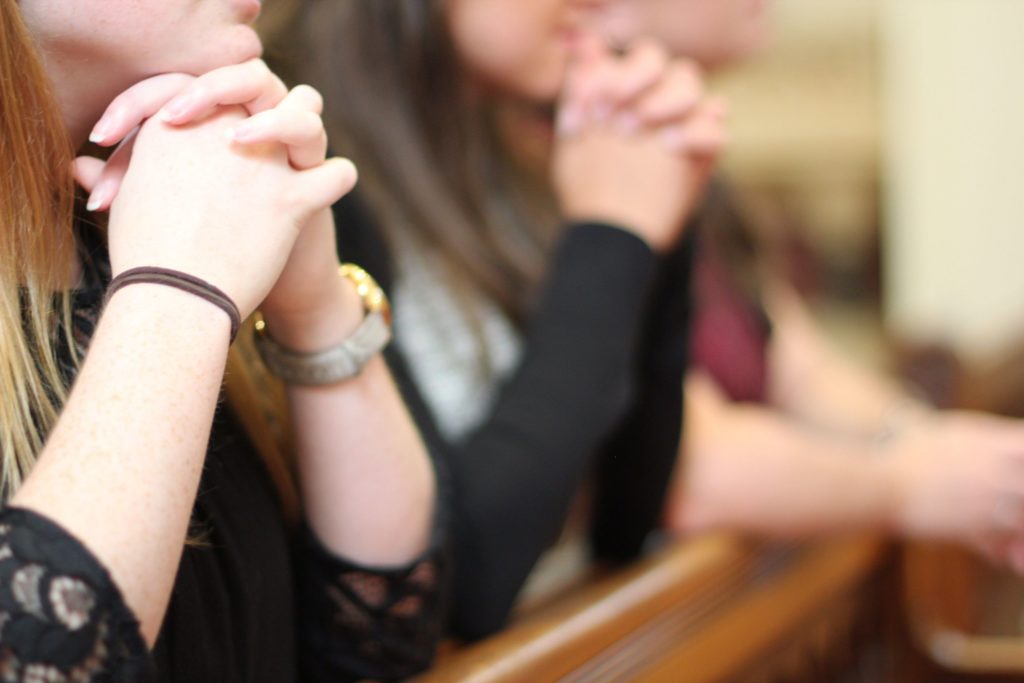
[121, 468]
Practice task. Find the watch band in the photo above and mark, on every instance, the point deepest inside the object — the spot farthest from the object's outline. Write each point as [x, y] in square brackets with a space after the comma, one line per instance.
[341, 362]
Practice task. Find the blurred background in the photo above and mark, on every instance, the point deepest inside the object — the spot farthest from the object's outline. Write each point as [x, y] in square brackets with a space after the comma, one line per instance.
[879, 143]
[880, 146]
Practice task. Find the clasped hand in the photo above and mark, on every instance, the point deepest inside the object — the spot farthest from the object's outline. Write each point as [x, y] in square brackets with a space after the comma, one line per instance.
[637, 139]
[223, 176]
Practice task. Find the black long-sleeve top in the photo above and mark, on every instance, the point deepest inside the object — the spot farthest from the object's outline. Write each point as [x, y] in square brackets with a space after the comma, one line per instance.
[599, 390]
[253, 601]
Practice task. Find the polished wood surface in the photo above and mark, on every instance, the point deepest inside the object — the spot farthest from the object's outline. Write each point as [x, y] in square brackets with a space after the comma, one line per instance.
[966, 618]
[712, 609]
[721, 608]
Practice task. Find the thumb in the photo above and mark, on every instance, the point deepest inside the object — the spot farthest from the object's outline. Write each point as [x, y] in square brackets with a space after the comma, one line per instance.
[322, 186]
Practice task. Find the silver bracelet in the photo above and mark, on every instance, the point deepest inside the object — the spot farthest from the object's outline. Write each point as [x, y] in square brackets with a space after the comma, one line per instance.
[341, 362]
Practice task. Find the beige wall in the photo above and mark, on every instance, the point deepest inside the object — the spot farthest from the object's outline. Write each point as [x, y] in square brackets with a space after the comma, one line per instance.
[954, 101]
[805, 120]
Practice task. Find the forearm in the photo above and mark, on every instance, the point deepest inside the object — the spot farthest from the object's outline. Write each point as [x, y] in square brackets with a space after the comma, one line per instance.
[838, 397]
[639, 459]
[121, 468]
[367, 482]
[814, 381]
[757, 472]
[368, 485]
[515, 477]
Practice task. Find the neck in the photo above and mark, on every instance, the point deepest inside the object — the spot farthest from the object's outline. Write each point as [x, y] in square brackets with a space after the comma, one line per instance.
[82, 94]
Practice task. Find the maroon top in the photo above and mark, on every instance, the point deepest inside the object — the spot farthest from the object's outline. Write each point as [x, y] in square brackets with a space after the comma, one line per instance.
[730, 331]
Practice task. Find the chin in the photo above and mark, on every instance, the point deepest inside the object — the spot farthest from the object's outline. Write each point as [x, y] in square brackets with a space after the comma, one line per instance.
[545, 84]
[242, 45]
[543, 92]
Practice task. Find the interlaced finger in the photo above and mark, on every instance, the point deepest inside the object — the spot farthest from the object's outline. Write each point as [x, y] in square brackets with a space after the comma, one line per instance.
[136, 104]
[251, 84]
[295, 123]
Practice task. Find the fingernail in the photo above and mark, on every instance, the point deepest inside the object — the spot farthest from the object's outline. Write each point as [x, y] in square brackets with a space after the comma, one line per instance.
[101, 131]
[98, 196]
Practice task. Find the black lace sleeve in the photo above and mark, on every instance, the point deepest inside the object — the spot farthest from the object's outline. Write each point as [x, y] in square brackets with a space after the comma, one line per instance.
[357, 623]
[62, 619]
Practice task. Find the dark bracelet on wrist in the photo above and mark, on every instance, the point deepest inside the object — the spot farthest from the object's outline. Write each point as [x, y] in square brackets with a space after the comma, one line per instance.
[183, 281]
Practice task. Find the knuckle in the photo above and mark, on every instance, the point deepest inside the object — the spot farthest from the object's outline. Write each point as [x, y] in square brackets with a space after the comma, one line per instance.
[277, 86]
[254, 74]
[687, 82]
[309, 123]
[311, 96]
[652, 52]
[259, 67]
[688, 69]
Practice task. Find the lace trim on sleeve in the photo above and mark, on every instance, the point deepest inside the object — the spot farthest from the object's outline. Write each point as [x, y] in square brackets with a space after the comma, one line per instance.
[358, 622]
[62, 619]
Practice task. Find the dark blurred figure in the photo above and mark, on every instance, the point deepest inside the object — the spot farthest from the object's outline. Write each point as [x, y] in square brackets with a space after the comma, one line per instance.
[541, 324]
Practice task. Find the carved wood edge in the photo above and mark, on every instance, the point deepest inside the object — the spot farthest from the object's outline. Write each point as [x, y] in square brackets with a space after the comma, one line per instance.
[755, 623]
[940, 582]
[698, 611]
[938, 587]
[960, 652]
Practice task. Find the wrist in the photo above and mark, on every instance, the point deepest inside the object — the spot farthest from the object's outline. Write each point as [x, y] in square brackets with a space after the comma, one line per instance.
[320, 324]
[898, 481]
[167, 313]
[903, 415]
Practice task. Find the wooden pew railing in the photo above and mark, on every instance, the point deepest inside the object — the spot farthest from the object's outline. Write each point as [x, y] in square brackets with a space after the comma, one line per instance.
[711, 609]
[966, 617]
[720, 608]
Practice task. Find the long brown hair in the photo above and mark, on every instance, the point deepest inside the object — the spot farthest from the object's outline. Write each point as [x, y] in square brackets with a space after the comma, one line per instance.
[37, 265]
[432, 167]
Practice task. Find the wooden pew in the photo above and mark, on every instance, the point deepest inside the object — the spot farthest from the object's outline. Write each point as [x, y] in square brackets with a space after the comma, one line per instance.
[965, 617]
[712, 609]
[722, 608]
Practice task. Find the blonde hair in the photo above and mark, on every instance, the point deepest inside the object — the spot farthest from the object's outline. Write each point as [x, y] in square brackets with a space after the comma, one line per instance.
[38, 258]
[37, 250]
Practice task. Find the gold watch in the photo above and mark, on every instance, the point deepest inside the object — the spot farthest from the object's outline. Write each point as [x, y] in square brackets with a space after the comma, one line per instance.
[341, 362]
